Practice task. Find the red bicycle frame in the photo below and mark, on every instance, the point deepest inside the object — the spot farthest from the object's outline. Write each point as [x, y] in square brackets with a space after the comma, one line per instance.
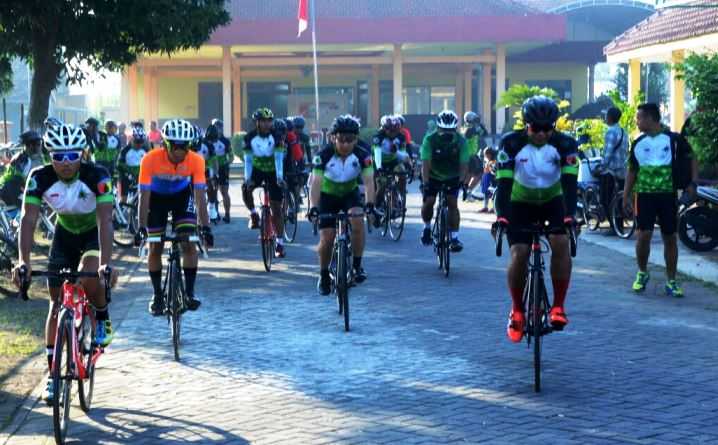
[269, 233]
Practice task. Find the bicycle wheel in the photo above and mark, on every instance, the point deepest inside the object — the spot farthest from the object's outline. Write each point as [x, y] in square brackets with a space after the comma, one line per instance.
[8, 252]
[385, 212]
[445, 240]
[537, 325]
[436, 237]
[290, 211]
[124, 230]
[342, 281]
[86, 386]
[591, 209]
[398, 214]
[62, 378]
[624, 224]
[267, 241]
[174, 300]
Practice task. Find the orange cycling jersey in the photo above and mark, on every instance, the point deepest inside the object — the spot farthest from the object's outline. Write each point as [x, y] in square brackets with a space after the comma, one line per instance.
[160, 175]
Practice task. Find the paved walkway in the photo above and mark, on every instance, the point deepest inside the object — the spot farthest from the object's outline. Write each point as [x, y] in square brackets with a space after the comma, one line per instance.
[265, 360]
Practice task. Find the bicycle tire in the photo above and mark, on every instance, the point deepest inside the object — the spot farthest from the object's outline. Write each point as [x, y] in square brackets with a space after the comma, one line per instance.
[343, 281]
[85, 387]
[397, 215]
[693, 241]
[174, 297]
[591, 209]
[266, 238]
[386, 205]
[619, 219]
[8, 252]
[537, 325]
[446, 241]
[62, 384]
[290, 224]
[123, 234]
[436, 238]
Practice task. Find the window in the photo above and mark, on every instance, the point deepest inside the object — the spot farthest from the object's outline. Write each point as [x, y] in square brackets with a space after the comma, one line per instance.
[417, 100]
[443, 98]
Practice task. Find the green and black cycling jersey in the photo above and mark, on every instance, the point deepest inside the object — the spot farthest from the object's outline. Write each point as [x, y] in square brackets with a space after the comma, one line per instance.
[74, 201]
[653, 160]
[390, 146]
[341, 176]
[129, 160]
[13, 178]
[536, 175]
[262, 149]
[475, 139]
[221, 149]
[446, 152]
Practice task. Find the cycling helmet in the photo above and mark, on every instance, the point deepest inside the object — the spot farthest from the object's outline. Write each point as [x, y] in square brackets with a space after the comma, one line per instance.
[401, 119]
[447, 119]
[471, 118]
[290, 123]
[110, 124]
[92, 121]
[390, 123]
[51, 122]
[178, 130]
[345, 124]
[262, 113]
[280, 127]
[217, 123]
[138, 134]
[65, 137]
[299, 122]
[29, 137]
[540, 110]
[212, 133]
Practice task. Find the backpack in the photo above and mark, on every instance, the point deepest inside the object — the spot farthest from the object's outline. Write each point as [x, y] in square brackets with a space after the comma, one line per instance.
[682, 164]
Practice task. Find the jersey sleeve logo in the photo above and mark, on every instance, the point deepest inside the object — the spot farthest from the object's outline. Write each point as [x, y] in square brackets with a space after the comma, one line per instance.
[572, 160]
[503, 157]
[31, 184]
[104, 187]
[317, 160]
[367, 162]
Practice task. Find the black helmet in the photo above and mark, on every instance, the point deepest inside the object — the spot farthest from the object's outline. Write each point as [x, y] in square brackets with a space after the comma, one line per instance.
[345, 124]
[92, 121]
[289, 123]
[217, 122]
[280, 127]
[212, 133]
[29, 137]
[540, 110]
[299, 122]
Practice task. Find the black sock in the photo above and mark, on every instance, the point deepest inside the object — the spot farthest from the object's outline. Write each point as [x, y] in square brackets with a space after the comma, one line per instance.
[357, 262]
[156, 277]
[325, 273]
[50, 354]
[102, 314]
[189, 277]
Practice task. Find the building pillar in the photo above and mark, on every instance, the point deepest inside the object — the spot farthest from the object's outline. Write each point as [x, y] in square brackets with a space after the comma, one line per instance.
[678, 93]
[468, 88]
[591, 83]
[398, 80]
[459, 92]
[125, 97]
[486, 114]
[227, 89]
[236, 98]
[155, 98]
[132, 99]
[500, 86]
[147, 78]
[374, 96]
[634, 78]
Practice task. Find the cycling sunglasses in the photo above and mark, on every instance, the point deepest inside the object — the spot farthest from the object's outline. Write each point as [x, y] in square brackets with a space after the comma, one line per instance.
[346, 139]
[542, 128]
[66, 156]
[174, 146]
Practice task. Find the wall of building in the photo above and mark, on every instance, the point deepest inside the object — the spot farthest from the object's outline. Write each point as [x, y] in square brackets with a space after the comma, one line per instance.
[577, 74]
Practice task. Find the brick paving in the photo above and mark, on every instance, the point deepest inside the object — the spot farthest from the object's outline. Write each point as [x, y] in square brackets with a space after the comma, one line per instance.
[265, 360]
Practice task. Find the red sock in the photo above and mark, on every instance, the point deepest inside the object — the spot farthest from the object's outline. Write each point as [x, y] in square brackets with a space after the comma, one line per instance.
[560, 287]
[517, 299]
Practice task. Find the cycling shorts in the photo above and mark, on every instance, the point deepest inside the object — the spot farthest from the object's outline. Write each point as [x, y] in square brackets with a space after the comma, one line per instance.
[334, 204]
[180, 205]
[435, 185]
[661, 207]
[523, 216]
[270, 181]
[68, 249]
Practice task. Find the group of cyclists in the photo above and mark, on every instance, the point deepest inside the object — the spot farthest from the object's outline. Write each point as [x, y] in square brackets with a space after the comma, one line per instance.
[536, 173]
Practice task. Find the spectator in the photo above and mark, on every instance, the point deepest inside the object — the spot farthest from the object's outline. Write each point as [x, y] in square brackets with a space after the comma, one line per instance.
[154, 136]
[613, 164]
[121, 129]
[488, 180]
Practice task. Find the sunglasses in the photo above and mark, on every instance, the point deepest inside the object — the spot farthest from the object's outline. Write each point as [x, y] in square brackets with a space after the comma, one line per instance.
[542, 128]
[174, 146]
[66, 156]
[346, 139]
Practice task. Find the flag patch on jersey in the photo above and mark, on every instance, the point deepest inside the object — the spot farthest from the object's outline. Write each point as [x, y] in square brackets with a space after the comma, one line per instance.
[104, 187]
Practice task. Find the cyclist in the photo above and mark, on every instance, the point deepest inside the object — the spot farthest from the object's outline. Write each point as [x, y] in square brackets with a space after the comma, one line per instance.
[172, 181]
[81, 195]
[129, 160]
[294, 162]
[650, 173]
[12, 181]
[474, 132]
[445, 159]
[96, 142]
[263, 164]
[223, 158]
[299, 124]
[113, 148]
[206, 149]
[537, 173]
[335, 187]
[389, 147]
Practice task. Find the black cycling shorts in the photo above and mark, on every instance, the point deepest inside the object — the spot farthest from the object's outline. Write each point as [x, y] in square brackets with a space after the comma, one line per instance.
[661, 207]
[334, 204]
[523, 216]
[435, 185]
[270, 181]
[223, 175]
[68, 249]
[180, 205]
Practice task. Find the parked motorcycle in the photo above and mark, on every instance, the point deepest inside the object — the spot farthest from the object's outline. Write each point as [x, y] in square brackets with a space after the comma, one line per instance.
[698, 222]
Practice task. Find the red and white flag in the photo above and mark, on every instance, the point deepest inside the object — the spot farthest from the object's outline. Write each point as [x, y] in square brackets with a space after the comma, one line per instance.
[303, 16]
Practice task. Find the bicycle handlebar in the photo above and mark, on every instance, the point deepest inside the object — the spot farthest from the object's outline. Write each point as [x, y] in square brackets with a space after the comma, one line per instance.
[572, 237]
[64, 275]
[182, 238]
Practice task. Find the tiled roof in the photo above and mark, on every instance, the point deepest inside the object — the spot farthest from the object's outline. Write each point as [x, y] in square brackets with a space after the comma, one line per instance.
[668, 25]
[267, 9]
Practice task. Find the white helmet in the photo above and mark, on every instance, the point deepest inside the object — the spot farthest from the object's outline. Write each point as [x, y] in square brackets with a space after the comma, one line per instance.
[64, 137]
[470, 117]
[447, 119]
[178, 130]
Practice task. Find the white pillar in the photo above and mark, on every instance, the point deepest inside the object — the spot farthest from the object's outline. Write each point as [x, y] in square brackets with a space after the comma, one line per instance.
[227, 89]
[125, 96]
[678, 92]
[486, 96]
[591, 83]
[500, 86]
[398, 80]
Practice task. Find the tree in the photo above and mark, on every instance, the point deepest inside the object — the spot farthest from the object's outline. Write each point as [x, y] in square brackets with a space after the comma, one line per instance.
[65, 37]
[654, 81]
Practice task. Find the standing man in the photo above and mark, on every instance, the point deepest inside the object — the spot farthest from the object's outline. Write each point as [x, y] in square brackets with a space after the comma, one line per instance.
[223, 157]
[155, 135]
[474, 132]
[651, 172]
[445, 160]
[615, 151]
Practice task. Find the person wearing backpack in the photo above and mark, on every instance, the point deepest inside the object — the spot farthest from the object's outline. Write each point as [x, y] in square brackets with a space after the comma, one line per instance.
[659, 164]
[613, 164]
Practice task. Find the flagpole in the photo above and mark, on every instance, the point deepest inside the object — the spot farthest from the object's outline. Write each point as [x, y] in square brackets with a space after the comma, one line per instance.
[314, 51]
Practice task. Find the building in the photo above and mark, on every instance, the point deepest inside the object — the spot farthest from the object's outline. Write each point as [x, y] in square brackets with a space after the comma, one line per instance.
[668, 35]
[378, 57]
